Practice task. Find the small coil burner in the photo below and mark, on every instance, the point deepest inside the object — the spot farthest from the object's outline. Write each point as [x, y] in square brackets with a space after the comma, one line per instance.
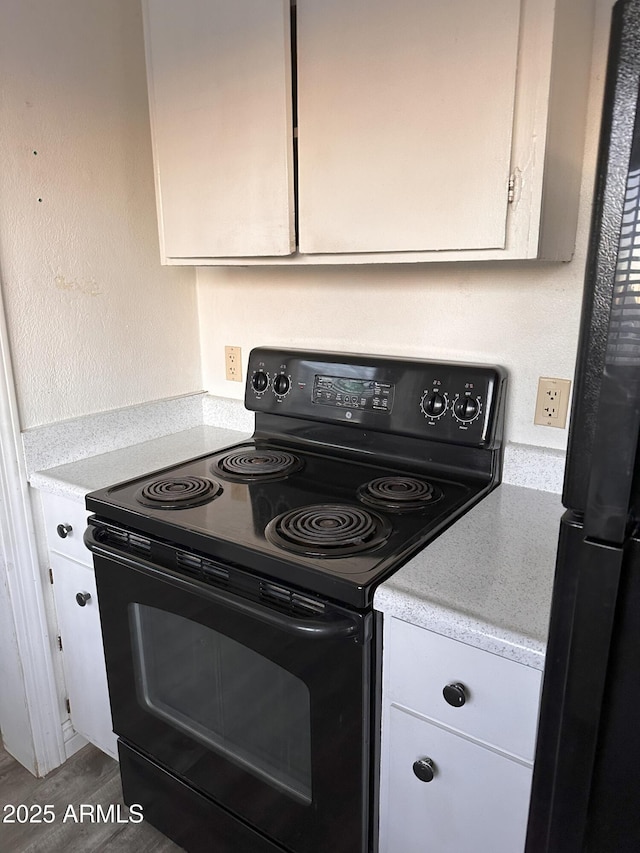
[399, 493]
[178, 492]
[328, 530]
[250, 464]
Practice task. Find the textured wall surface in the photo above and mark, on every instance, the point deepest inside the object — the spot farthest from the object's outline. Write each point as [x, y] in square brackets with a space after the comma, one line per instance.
[523, 315]
[94, 321]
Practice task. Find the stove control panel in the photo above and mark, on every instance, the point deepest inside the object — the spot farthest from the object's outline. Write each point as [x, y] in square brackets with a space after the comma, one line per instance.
[454, 402]
[343, 392]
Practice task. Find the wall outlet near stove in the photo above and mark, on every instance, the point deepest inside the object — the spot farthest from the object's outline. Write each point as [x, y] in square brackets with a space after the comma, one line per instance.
[233, 363]
[552, 402]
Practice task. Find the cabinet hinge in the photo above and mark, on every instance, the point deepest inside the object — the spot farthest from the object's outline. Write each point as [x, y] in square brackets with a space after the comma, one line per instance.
[59, 642]
[50, 576]
[67, 705]
[512, 188]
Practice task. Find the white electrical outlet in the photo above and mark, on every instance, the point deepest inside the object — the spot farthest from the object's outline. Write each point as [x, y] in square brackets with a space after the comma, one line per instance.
[233, 363]
[552, 402]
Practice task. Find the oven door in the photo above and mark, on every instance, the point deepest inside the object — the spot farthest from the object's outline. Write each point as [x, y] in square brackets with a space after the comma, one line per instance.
[265, 713]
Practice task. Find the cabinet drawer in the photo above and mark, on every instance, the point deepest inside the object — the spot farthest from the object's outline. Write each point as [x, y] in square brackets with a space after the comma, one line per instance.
[67, 514]
[501, 697]
[477, 799]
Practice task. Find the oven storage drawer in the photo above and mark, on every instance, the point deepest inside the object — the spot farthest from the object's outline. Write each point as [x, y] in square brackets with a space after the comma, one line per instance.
[501, 697]
[186, 816]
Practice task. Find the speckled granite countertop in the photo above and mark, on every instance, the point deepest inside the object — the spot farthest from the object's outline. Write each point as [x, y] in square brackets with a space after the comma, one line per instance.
[75, 479]
[487, 580]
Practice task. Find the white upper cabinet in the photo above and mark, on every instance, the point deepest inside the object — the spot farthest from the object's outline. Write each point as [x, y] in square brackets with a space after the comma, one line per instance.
[426, 129]
[219, 77]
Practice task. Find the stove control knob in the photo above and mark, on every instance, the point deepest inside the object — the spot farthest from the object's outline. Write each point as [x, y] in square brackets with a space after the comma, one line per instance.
[455, 694]
[466, 409]
[281, 384]
[260, 381]
[425, 769]
[433, 404]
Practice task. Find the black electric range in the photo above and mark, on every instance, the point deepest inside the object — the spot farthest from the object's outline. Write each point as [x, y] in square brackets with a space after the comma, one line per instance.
[235, 592]
[356, 463]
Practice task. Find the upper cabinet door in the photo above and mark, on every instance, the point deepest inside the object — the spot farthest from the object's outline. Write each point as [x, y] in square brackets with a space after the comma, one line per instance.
[405, 119]
[219, 78]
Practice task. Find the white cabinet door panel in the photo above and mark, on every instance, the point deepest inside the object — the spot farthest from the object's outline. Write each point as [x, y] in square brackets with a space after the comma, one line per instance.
[405, 115]
[477, 801]
[219, 77]
[83, 661]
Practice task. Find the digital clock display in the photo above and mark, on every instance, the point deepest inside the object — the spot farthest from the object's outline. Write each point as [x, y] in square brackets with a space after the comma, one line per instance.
[343, 392]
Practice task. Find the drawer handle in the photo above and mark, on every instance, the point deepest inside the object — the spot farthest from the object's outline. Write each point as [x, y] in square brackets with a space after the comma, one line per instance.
[455, 694]
[425, 769]
[64, 530]
[82, 598]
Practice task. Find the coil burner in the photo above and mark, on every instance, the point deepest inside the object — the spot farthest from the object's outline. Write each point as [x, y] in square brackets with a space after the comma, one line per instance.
[328, 530]
[399, 493]
[248, 464]
[178, 492]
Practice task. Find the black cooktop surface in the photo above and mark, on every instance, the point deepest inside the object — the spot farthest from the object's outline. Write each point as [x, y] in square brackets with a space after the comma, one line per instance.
[334, 525]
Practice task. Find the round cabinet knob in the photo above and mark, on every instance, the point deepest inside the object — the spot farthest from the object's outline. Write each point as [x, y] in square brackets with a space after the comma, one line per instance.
[424, 769]
[63, 530]
[466, 408]
[281, 384]
[455, 694]
[82, 598]
[259, 381]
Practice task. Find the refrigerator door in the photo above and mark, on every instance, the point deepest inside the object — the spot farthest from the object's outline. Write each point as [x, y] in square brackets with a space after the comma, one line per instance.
[610, 508]
[610, 274]
[613, 819]
[582, 623]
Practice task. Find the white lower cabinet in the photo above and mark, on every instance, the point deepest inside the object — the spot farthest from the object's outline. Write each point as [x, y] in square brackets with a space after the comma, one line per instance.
[76, 602]
[454, 777]
[477, 800]
[83, 657]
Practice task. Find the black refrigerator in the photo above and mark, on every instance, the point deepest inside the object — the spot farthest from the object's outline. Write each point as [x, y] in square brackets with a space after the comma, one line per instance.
[586, 780]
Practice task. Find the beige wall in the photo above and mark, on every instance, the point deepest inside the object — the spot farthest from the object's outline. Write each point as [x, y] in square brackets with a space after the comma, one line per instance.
[94, 321]
[523, 315]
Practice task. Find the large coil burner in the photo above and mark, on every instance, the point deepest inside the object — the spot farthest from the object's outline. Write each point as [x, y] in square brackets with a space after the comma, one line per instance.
[328, 530]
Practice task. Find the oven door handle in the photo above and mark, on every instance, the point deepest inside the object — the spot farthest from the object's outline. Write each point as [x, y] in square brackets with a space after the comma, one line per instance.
[334, 625]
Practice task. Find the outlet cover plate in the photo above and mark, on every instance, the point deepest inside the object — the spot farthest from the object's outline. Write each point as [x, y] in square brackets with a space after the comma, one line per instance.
[552, 402]
[233, 363]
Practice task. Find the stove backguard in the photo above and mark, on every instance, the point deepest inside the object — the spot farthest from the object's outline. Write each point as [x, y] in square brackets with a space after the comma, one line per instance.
[445, 402]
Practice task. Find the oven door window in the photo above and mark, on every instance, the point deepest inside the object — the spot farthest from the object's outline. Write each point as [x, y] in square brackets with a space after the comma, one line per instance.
[225, 695]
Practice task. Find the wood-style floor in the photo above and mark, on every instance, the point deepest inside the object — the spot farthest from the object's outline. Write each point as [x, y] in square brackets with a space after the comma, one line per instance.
[89, 777]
